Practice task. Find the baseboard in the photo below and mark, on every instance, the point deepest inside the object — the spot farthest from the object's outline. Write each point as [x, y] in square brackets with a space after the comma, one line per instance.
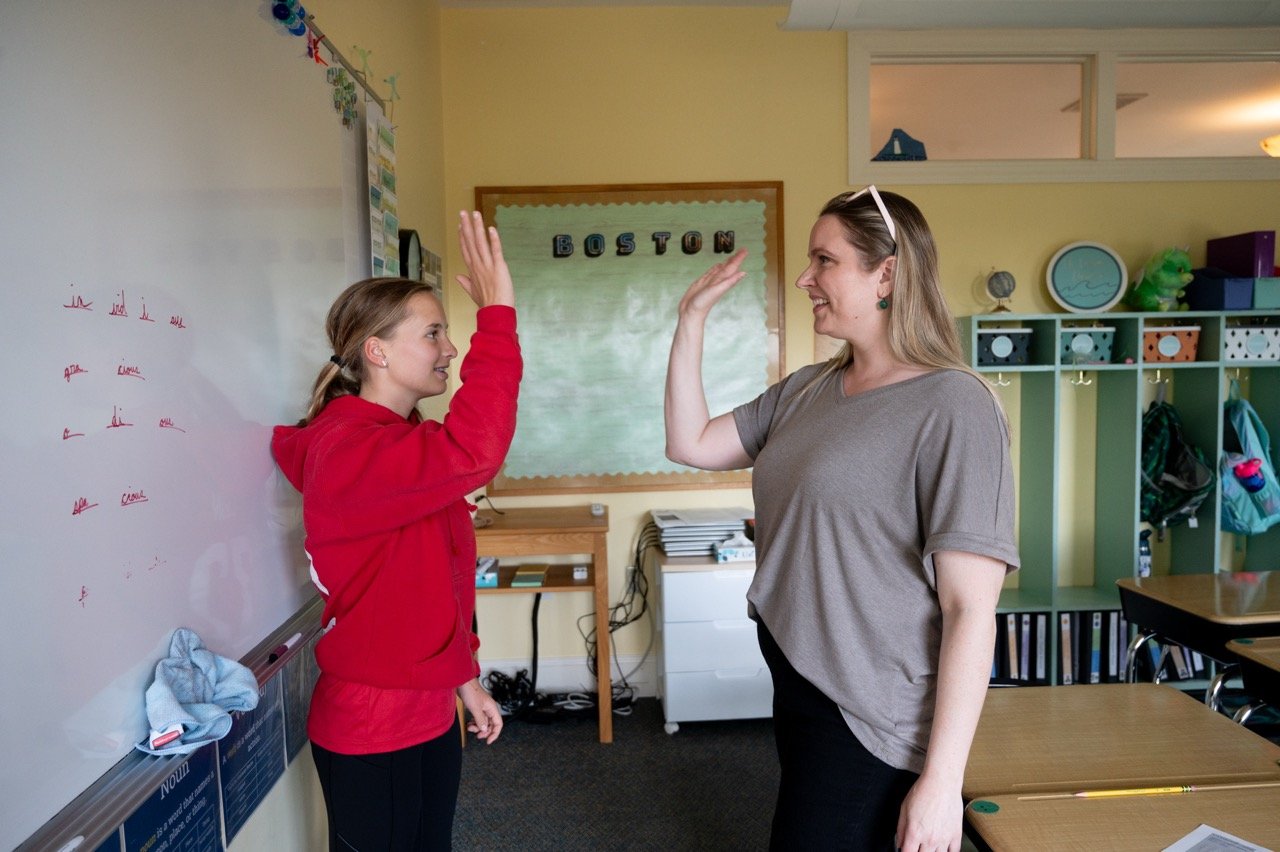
[570, 674]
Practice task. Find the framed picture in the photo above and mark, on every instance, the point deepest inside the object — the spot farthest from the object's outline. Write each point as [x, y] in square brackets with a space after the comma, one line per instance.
[599, 271]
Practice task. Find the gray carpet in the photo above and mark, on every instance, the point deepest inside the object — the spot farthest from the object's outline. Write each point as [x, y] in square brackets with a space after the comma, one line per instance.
[552, 786]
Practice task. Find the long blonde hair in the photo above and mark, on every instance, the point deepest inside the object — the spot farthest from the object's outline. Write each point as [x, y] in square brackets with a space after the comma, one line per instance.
[922, 331]
[369, 308]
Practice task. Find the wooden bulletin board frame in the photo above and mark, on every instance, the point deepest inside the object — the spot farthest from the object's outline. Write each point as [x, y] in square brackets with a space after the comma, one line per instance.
[547, 230]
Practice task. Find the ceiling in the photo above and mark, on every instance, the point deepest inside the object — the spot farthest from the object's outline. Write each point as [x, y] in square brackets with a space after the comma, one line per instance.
[1029, 14]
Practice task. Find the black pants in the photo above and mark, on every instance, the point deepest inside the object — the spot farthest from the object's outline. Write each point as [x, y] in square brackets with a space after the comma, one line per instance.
[396, 800]
[833, 793]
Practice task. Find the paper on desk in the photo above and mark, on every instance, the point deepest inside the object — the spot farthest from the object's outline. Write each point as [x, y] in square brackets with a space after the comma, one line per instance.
[1208, 839]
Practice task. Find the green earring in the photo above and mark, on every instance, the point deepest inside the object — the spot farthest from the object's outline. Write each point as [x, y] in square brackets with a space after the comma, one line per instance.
[883, 304]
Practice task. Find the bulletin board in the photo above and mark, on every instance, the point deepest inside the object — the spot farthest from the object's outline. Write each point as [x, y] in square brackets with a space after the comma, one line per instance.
[599, 272]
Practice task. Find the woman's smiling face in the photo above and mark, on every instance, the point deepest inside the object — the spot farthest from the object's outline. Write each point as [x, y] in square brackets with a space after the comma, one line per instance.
[842, 292]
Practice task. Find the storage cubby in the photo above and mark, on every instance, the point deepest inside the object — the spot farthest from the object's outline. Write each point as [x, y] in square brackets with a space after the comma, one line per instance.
[1076, 424]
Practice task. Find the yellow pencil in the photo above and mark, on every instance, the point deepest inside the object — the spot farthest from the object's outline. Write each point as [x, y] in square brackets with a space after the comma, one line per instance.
[1151, 791]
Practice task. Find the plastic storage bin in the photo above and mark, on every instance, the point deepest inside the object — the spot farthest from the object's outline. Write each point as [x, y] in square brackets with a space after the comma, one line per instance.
[1253, 343]
[1170, 343]
[1001, 346]
[1086, 345]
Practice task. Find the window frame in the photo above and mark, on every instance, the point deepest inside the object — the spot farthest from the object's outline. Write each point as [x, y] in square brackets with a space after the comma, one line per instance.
[1099, 52]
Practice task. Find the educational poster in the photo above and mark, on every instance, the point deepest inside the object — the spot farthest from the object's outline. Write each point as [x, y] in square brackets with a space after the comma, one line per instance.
[600, 273]
[298, 677]
[384, 217]
[182, 816]
[251, 758]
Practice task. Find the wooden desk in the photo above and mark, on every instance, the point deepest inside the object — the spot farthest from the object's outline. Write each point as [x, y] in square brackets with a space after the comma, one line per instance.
[1259, 661]
[1132, 822]
[557, 531]
[1046, 739]
[1202, 612]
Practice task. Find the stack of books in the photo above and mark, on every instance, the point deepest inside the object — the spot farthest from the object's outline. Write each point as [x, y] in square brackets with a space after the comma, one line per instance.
[696, 532]
[529, 575]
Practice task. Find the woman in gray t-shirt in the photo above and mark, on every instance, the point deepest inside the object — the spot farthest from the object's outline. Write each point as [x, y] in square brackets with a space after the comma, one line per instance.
[884, 530]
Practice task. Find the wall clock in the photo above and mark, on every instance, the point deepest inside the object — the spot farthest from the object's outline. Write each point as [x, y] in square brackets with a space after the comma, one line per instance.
[1086, 276]
[410, 255]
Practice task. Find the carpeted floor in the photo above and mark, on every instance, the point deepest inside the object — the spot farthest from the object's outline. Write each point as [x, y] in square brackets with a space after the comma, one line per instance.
[553, 786]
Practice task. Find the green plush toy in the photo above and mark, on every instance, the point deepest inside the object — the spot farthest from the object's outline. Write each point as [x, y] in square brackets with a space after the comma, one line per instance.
[1163, 280]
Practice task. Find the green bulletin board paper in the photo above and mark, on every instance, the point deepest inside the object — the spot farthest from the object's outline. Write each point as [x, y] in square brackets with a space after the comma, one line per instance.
[596, 331]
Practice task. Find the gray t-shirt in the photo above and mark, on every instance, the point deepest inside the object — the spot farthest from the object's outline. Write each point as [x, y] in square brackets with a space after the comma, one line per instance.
[853, 496]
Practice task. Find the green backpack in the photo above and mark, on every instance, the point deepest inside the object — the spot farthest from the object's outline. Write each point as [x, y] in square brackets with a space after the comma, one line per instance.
[1176, 478]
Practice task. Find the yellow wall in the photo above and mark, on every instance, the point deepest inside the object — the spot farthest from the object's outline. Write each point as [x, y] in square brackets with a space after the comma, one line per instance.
[667, 94]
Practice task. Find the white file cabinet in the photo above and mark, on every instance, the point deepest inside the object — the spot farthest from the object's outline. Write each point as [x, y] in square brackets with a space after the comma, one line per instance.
[709, 661]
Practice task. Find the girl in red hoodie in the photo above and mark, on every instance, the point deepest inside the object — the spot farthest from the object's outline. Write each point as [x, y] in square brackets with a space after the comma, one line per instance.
[392, 546]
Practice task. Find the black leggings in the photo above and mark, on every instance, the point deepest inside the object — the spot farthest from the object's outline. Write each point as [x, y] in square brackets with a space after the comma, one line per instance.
[833, 793]
[396, 800]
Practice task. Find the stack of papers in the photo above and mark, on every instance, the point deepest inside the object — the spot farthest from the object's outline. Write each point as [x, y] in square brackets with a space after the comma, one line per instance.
[696, 532]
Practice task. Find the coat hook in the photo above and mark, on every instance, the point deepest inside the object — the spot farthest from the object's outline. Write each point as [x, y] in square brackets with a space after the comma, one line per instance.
[1002, 382]
[1157, 380]
[1081, 380]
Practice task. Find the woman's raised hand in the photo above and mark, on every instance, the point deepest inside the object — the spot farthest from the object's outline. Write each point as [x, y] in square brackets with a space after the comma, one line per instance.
[488, 281]
[703, 294]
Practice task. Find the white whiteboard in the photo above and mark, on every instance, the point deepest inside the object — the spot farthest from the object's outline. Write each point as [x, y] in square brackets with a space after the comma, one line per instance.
[171, 235]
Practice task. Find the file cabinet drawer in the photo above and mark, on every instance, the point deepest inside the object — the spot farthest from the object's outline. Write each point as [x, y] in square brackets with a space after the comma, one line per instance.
[693, 646]
[714, 595]
[723, 694]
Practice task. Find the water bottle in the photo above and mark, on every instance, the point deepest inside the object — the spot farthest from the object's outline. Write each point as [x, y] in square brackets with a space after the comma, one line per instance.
[1144, 553]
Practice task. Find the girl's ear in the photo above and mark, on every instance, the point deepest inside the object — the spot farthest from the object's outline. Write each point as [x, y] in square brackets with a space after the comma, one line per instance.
[373, 352]
[887, 271]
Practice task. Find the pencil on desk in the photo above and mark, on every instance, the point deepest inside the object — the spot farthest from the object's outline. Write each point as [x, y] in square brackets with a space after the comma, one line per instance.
[1151, 791]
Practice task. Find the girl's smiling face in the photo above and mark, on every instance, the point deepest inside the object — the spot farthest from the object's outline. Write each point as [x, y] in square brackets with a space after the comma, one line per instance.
[419, 351]
[842, 291]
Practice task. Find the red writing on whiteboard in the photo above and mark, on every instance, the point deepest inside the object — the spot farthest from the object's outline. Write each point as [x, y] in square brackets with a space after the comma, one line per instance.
[118, 309]
[116, 419]
[73, 370]
[128, 498]
[176, 322]
[78, 303]
[82, 505]
[84, 593]
[132, 372]
[146, 317]
[167, 423]
[67, 433]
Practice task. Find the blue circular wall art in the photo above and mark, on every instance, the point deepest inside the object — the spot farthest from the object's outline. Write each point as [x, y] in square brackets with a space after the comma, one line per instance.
[1085, 277]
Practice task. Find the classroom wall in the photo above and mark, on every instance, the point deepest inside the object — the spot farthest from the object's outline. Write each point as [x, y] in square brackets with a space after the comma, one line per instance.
[668, 94]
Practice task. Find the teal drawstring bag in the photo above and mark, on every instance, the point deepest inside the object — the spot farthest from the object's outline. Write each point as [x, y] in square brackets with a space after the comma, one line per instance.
[1250, 493]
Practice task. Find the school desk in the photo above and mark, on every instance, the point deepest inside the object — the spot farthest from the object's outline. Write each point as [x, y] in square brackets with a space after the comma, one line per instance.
[557, 531]
[1007, 822]
[1052, 739]
[1259, 661]
[1202, 612]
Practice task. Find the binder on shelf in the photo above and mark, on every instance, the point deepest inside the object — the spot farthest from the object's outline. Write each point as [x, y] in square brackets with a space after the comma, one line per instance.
[1042, 637]
[1066, 676]
[1113, 645]
[1095, 649]
[1011, 635]
[1024, 661]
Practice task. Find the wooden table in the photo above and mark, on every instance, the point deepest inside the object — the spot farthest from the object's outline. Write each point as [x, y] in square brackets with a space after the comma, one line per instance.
[1202, 612]
[1259, 661]
[1133, 822]
[557, 531]
[1045, 739]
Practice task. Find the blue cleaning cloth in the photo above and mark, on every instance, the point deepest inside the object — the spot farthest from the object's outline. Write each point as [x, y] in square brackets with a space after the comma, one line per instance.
[195, 689]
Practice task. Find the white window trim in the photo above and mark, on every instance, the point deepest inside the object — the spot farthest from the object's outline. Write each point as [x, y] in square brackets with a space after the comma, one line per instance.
[1099, 51]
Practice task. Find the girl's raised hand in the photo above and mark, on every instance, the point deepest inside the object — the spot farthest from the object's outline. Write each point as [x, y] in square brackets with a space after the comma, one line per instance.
[703, 294]
[488, 281]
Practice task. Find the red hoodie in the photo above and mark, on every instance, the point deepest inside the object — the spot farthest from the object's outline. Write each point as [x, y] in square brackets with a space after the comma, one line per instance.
[390, 537]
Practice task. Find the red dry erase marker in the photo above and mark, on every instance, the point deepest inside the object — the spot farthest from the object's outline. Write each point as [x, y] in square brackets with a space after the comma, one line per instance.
[283, 648]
